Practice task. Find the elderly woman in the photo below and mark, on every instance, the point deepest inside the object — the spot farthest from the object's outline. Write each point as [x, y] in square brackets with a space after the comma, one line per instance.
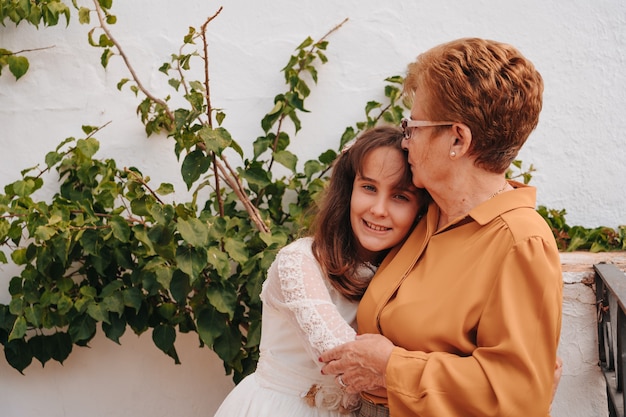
[464, 318]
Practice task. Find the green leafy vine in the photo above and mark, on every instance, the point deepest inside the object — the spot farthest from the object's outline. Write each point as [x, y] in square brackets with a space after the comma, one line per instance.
[112, 251]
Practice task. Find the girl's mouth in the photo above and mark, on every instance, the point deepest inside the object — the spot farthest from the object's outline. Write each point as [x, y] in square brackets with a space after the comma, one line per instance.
[376, 227]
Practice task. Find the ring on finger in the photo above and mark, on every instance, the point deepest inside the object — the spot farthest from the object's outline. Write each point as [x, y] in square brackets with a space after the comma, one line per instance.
[340, 381]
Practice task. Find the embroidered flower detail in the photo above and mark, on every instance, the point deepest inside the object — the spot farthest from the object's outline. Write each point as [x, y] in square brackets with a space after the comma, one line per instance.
[331, 398]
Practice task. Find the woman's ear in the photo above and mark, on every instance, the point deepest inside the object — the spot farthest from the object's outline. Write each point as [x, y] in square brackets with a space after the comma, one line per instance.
[461, 140]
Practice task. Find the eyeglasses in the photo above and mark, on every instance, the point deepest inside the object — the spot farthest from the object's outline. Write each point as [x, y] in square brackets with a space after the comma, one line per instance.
[406, 124]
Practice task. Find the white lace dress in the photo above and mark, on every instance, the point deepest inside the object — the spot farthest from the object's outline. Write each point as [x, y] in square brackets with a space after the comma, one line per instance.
[302, 317]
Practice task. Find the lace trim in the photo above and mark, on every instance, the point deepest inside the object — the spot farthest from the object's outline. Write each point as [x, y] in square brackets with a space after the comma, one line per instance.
[304, 308]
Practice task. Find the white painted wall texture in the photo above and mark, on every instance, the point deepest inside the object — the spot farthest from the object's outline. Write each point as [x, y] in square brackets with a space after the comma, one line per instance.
[578, 148]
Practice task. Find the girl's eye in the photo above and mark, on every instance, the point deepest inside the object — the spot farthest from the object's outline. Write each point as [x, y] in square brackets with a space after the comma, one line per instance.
[369, 187]
[402, 197]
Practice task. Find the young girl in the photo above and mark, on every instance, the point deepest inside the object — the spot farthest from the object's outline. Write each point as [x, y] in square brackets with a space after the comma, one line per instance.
[312, 289]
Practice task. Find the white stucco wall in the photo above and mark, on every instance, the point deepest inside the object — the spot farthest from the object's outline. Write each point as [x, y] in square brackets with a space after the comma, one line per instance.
[578, 148]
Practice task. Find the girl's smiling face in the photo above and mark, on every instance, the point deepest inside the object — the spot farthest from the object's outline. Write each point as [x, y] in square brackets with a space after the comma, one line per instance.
[382, 212]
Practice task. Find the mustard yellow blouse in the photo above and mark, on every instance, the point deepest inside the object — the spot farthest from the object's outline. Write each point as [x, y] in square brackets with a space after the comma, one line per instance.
[474, 311]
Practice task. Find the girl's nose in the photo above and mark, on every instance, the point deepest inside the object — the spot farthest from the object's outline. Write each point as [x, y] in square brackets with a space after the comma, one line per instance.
[379, 207]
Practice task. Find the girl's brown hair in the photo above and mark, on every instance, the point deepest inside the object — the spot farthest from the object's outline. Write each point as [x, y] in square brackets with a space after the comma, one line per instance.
[334, 244]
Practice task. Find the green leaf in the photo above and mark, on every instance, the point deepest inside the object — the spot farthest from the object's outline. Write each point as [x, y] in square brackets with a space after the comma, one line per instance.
[219, 260]
[254, 282]
[228, 344]
[60, 345]
[44, 233]
[219, 117]
[286, 159]
[18, 354]
[16, 306]
[65, 284]
[138, 321]
[371, 105]
[312, 167]
[164, 276]
[120, 227]
[149, 282]
[19, 328]
[179, 286]
[256, 176]
[121, 83]
[328, 157]
[18, 65]
[24, 188]
[165, 189]
[254, 334]
[98, 312]
[164, 337]
[140, 206]
[191, 261]
[216, 140]
[35, 15]
[88, 291]
[18, 256]
[223, 298]
[104, 41]
[236, 249]
[90, 242]
[40, 348]
[270, 239]
[64, 304]
[133, 298]
[167, 311]
[162, 213]
[34, 315]
[115, 329]
[195, 164]
[393, 93]
[396, 79]
[82, 303]
[270, 119]
[83, 15]
[188, 39]
[306, 43]
[88, 147]
[82, 328]
[104, 58]
[208, 325]
[142, 235]
[193, 231]
[113, 303]
[260, 145]
[105, 4]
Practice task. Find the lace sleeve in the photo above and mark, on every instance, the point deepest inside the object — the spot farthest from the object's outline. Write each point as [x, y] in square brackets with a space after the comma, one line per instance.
[296, 285]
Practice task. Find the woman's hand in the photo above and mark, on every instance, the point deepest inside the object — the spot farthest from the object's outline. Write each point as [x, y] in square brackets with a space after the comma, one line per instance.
[359, 365]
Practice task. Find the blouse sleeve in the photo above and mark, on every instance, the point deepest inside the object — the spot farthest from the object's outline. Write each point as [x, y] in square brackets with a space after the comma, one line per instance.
[297, 287]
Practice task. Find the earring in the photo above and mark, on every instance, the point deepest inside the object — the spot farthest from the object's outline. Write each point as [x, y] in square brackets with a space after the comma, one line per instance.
[452, 154]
